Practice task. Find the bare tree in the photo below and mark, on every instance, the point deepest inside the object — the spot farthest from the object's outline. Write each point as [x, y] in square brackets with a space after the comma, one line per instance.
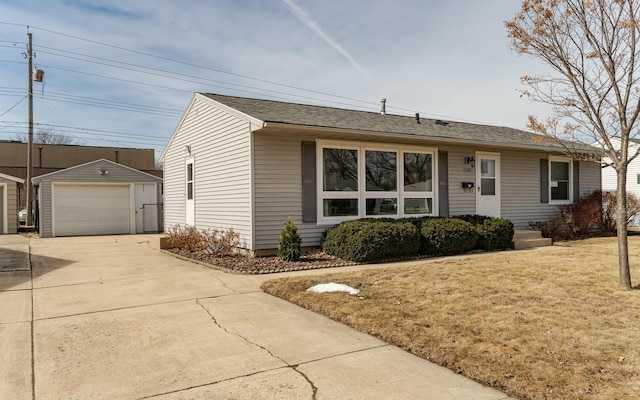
[592, 49]
[46, 136]
[49, 136]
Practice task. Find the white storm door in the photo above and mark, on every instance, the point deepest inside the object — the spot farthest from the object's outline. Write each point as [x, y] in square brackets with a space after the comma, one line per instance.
[488, 184]
[146, 208]
[189, 208]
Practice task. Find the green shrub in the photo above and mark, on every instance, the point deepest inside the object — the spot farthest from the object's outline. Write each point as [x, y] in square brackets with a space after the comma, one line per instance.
[289, 245]
[447, 236]
[370, 240]
[494, 234]
[473, 219]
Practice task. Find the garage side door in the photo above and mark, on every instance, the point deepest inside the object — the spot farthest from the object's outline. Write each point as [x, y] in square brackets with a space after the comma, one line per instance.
[91, 210]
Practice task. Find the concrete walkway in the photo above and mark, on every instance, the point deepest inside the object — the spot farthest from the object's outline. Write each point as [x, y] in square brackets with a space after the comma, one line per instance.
[110, 318]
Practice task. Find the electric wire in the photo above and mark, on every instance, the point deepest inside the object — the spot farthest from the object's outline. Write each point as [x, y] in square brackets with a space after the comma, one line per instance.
[172, 75]
[13, 106]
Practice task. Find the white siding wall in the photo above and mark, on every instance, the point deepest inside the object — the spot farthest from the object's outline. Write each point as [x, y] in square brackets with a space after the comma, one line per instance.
[278, 191]
[609, 175]
[221, 148]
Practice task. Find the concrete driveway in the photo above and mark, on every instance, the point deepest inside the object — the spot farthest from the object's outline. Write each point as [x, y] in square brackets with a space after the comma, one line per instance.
[110, 318]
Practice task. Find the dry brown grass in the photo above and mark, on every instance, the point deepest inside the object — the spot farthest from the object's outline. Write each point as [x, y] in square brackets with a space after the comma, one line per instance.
[548, 324]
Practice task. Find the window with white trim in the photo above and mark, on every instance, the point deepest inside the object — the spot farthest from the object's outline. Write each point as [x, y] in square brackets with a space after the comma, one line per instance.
[360, 181]
[189, 180]
[560, 181]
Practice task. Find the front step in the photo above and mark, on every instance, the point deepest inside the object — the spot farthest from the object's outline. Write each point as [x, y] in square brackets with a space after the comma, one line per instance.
[527, 239]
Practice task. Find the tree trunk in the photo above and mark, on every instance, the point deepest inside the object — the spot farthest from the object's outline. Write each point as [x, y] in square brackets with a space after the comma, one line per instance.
[621, 225]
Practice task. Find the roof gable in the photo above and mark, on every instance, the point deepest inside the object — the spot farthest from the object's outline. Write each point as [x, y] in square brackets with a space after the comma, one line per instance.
[11, 178]
[101, 163]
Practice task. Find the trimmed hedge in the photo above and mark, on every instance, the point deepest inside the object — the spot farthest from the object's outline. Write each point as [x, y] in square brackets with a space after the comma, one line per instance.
[369, 240]
[376, 239]
[447, 236]
[493, 233]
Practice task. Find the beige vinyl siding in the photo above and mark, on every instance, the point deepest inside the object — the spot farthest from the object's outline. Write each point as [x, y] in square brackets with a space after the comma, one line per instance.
[521, 189]
[220, 147]
[591, 178]
[278, 191]
[460, 201]
[86, 174]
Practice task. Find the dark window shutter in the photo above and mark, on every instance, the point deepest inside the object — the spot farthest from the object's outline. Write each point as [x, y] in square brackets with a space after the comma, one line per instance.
[576, 180]
[443, 184]
[544, 181]
[309, 209]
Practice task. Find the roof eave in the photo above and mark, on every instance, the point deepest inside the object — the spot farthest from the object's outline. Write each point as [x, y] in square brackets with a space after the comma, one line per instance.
[441, 139]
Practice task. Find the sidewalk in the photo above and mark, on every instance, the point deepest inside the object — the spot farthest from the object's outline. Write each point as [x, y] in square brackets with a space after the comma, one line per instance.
[115, 319]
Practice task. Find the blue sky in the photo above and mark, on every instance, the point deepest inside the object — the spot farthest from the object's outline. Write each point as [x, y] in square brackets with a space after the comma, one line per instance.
[121, 73]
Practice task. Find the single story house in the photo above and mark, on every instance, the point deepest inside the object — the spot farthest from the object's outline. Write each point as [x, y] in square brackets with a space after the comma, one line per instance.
[9, 203]
[247, 164]
[98, 198]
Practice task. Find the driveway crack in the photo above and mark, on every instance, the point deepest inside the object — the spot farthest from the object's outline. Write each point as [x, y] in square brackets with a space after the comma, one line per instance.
[314, 388]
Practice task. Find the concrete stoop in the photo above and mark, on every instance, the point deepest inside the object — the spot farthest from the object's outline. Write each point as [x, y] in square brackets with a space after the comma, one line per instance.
[526, 239]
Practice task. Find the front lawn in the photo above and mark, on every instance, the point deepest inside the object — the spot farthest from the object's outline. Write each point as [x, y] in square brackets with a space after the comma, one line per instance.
[547, 324]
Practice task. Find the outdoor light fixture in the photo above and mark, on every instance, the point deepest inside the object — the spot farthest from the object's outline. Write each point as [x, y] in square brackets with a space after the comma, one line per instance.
[470, 161]
[187, 148]
[103, 172]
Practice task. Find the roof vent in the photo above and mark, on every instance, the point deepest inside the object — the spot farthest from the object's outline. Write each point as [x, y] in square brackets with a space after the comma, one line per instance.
[383, 108]
[441, 122]
[417, 118]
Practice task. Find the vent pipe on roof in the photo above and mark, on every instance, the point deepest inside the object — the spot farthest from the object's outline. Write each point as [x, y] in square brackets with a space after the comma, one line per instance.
[417, 118]
[383, 108]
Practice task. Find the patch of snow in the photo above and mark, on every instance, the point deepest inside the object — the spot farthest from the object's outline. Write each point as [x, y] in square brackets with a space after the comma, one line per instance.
[333, 287]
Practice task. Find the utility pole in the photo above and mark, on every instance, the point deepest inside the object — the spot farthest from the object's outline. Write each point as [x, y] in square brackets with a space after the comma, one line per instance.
[29, 193]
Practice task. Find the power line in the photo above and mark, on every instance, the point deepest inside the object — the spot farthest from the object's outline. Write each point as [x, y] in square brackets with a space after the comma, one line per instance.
[14, 106]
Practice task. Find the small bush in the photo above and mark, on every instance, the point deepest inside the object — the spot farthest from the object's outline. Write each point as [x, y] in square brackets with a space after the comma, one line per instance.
[370, 240]
[211, 241]
[493, 233]
[447, 236]
[594, 214]
[289, 245]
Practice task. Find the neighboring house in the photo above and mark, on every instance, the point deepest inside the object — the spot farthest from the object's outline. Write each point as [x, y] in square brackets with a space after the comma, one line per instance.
[49, 158]
[98, 198]
[247, 164]
[9, 203]
[610, 176]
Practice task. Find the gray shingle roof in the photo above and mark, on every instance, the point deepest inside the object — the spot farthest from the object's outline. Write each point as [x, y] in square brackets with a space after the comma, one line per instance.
[337, 118]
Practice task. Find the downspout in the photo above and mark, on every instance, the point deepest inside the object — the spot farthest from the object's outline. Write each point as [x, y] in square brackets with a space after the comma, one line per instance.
[252, 201]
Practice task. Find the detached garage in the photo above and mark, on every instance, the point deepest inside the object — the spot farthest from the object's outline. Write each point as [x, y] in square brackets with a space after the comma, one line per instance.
[9, 203]
[98, 198]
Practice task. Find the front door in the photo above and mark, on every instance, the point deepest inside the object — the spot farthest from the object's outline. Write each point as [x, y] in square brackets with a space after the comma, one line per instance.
[189, 218]
[488, 184]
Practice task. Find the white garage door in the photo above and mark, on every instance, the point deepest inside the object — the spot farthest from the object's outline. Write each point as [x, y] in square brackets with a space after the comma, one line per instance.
[91, 210]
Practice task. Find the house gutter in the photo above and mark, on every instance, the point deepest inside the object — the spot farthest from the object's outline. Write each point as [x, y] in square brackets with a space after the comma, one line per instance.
[275, 126]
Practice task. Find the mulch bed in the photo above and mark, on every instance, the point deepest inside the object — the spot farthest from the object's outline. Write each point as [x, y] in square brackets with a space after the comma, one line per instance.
[310, 259]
